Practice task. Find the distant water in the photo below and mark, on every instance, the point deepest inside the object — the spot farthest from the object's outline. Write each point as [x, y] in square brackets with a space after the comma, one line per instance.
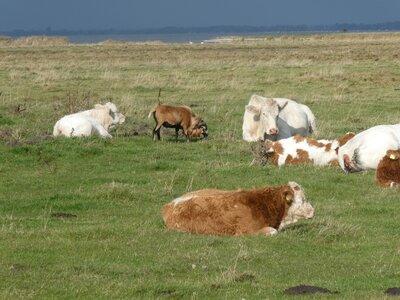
[166, 38]
[170, 37]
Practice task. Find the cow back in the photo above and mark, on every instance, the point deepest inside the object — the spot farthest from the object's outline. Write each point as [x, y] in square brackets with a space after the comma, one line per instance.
[226, 212]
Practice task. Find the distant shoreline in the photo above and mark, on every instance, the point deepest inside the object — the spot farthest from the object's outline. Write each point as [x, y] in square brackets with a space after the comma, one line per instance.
[209, 30]
[181, 38]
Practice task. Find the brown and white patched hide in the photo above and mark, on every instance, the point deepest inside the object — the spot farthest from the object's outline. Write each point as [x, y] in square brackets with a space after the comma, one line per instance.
[388, 170]
[301, 150]
[241, 212]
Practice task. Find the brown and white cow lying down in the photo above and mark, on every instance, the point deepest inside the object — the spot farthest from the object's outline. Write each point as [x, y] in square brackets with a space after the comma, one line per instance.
[241, 212]
[388, 171]
[300, 150]
[178, 117]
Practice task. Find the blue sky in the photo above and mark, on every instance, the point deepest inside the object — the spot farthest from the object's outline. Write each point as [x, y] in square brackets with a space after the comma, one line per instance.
[134, 14]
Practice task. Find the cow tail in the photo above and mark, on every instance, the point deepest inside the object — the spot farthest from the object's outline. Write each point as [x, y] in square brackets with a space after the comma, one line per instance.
[152, 112]
[313, 126]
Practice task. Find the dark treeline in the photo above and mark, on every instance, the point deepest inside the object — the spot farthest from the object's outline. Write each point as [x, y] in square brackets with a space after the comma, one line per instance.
[389, 26]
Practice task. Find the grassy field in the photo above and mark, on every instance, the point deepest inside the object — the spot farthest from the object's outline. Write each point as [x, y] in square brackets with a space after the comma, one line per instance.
[115, 245]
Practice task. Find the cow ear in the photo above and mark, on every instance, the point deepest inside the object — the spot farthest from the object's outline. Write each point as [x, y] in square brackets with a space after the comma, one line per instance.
[282, 106]
[392, 155]
[253, 109]
[288, 195]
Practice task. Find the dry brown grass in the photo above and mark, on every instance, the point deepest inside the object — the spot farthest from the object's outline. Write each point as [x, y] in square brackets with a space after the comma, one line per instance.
[34, 41]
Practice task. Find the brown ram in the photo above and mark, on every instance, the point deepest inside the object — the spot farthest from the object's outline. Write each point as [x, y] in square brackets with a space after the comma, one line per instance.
[178, 117]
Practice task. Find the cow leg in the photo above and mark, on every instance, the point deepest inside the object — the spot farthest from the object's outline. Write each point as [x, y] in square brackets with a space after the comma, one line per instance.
[349, 165]
[100, 130]
[176, 134]
[186, 133]
[156, 130]
[267, 231]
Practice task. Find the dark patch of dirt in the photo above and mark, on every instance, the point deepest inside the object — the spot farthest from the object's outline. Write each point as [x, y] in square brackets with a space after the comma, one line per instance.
[39, 139]
[169, 293]
[393, 291]
[8, 137]
[63, 215]
[307, 289]
[245, 277]
[138, 129]
[5, 133]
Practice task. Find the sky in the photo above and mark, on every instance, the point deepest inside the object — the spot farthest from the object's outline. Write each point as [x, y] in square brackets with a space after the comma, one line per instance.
[141, 14]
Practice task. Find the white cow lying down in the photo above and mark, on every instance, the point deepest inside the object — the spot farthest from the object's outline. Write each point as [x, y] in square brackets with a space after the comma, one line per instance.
[275, 119]
[88, 122]
[366, 149]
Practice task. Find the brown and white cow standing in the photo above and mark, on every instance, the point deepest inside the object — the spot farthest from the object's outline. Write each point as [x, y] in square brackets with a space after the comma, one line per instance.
[300, 150]
[388, 170]
[242, 212]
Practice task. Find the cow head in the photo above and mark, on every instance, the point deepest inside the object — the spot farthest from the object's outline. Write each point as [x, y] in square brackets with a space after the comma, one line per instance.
[199, 127]
[299, 207]
[116, 117]
[267, 116]
[204, 127]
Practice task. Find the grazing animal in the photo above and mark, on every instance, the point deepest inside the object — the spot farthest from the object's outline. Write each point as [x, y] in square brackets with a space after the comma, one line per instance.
[93, 121]
[299, 150]
[276, 119]
[243, 212]
[388, 170]
[178, 117]
[367, 148]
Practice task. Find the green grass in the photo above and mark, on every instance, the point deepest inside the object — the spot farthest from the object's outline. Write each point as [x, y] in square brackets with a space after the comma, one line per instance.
[117, 245]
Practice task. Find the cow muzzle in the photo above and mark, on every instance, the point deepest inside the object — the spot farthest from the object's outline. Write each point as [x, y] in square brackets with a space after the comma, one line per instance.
[273, 131]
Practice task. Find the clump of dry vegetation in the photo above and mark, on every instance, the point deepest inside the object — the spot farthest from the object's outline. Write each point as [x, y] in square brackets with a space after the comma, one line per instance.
[5, 41]
[34, 41]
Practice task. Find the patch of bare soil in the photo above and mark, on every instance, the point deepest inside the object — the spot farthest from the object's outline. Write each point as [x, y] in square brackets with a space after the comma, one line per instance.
[5, 134]
[393, 291]
[245, 277]
[140, 129]
[39, 139]
[169, 293]
[307, 289]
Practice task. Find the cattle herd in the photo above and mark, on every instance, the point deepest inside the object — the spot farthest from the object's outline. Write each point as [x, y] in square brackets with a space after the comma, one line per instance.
[282, 126]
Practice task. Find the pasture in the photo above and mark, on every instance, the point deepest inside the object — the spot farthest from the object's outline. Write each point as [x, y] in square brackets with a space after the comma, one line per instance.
[111, 241]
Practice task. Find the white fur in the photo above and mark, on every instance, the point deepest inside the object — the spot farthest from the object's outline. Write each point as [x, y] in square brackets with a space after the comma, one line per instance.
[88, 122]
[286, 116]
[370, 145]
